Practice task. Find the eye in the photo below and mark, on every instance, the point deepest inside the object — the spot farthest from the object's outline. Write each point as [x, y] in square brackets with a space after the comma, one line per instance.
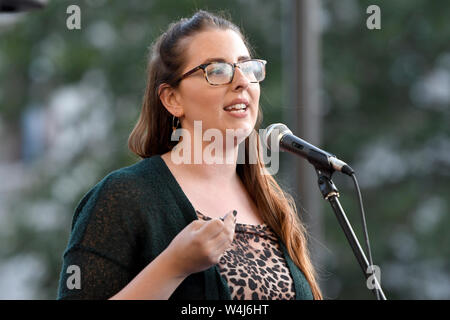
[216, 69]
[251, 66]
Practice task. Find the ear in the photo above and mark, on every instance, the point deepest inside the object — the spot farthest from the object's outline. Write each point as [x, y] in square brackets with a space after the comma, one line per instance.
[170, 98]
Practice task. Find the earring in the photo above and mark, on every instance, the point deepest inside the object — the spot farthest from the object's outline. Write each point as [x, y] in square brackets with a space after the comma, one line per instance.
[174, 126]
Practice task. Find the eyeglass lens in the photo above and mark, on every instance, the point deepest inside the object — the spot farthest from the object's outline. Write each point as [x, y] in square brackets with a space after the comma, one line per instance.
[221, 73]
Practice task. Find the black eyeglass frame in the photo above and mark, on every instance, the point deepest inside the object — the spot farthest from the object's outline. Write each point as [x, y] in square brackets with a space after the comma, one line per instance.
[233, 66]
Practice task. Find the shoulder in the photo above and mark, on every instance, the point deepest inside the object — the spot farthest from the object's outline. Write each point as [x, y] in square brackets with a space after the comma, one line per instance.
[145, 171]
[122, 189]
[143, 174]
[108, 219]
[115, 202]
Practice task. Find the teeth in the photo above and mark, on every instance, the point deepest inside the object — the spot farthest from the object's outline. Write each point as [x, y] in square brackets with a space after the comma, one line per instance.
[240, 107]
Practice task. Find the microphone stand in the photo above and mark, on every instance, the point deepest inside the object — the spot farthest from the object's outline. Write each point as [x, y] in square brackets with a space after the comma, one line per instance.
[330, 193]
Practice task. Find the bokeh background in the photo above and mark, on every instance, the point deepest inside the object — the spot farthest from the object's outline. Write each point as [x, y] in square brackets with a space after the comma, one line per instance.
[69, 99]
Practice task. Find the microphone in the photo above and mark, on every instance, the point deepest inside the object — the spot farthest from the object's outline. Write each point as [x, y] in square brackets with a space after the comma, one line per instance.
[280, 134]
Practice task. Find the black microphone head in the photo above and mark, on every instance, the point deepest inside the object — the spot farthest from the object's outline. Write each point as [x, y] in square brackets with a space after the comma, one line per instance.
[277, 129]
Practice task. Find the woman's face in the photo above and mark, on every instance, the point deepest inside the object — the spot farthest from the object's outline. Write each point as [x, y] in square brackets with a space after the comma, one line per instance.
[202, 101]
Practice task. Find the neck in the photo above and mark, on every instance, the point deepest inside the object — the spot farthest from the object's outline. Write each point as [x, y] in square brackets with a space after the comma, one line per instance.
[205, 163]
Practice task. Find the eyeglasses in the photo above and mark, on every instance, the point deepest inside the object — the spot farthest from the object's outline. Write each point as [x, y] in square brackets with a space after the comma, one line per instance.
[218, 73]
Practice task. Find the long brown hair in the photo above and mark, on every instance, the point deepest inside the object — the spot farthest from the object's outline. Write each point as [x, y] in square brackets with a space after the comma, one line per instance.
[152, 135]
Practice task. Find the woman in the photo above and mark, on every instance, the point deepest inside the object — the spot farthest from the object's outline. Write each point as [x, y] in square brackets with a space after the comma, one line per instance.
[160, 229]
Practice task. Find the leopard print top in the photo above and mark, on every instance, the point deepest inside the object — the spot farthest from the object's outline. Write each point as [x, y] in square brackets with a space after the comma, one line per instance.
[254, 265]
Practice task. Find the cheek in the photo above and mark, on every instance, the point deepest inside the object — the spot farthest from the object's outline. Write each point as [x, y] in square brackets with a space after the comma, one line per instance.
[200, 102]
[255, 94]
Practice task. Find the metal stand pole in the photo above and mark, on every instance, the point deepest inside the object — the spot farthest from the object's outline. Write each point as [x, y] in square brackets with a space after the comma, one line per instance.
[330, 193]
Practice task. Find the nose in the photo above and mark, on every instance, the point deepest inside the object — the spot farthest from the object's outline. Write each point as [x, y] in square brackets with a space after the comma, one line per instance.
[240, 81]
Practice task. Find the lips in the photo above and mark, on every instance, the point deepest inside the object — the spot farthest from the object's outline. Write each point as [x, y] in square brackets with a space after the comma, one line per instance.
[237, 105]
[236, 108]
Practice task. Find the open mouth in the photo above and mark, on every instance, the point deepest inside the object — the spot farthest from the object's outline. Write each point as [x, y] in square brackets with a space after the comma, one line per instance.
[236, 108]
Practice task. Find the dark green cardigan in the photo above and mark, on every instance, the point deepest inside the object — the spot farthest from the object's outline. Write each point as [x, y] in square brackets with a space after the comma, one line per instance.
[126, 221]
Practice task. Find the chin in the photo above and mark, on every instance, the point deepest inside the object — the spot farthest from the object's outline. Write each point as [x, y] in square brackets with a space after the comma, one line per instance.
[242, 132]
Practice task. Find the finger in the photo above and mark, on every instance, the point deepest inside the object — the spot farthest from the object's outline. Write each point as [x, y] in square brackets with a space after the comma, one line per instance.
[219, 242]
[197, 224]
[224, 230]
[230, 218]
[227, 214]
[230, 223]
[223, 245]
[211, 228]
[227, 237]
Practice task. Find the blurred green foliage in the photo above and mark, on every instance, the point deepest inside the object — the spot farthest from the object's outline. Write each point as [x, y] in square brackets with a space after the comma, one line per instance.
[387, 96]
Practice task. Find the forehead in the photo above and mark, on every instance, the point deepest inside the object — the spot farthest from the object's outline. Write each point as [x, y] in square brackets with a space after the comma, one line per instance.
[225, 44]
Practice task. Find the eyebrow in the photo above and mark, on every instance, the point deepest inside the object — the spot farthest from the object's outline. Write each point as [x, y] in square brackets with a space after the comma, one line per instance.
[241, 58]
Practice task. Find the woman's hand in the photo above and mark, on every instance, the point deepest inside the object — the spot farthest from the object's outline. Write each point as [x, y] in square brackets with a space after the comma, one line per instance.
[201, 244]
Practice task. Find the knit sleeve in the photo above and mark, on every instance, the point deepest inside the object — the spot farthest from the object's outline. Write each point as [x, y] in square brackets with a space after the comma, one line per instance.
[102, 254]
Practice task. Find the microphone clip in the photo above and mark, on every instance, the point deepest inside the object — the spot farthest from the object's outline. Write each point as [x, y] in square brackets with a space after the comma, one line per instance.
[326, 185]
